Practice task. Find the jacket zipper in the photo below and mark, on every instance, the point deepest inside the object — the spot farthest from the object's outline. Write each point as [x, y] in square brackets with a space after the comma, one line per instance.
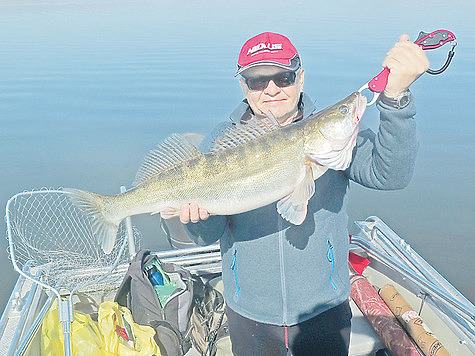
[282, 272]
[332, 261]
[234, 268]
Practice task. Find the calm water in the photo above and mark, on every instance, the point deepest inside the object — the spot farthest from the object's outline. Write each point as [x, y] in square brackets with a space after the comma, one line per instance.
[88, 87]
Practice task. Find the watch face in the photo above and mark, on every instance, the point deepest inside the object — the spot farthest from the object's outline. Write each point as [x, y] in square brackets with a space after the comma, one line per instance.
[404, 101]
[398, 102]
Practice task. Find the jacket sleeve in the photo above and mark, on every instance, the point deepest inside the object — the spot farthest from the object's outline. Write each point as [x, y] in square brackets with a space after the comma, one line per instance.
[206, 232]
[386, 160]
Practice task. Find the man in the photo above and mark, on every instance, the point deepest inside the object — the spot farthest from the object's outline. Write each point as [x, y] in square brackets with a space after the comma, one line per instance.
[287, 286]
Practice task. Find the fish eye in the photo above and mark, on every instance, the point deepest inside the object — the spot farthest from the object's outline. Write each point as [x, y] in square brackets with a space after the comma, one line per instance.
[343, 109]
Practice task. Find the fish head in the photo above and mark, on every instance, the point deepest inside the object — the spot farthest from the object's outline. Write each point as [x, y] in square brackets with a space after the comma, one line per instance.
[338, 121]
[330, 135]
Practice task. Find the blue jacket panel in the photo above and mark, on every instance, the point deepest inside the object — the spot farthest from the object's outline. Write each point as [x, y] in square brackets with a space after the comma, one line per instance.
[282, 274]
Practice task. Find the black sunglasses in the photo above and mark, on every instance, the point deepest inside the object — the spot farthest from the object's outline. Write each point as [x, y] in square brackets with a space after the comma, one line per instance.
[282, 79]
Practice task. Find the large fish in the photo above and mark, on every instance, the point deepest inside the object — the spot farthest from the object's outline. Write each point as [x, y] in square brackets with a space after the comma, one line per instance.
[252, 165]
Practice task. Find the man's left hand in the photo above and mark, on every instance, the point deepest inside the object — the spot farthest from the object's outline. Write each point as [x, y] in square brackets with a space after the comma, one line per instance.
[406, 62]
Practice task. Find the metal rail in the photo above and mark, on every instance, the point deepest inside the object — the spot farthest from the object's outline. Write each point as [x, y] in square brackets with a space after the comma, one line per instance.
[35, 327]
[373, 226]
[14, 299]
[198, 260]
[23, 319]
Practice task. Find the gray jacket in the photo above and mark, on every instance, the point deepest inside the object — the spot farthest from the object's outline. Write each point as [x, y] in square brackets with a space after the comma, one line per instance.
[282, 274]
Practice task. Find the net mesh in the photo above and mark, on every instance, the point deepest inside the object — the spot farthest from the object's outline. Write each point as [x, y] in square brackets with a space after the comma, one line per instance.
[44, 226]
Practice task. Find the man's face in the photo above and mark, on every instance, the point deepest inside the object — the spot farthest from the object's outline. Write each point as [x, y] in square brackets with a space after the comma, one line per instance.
[279, 101]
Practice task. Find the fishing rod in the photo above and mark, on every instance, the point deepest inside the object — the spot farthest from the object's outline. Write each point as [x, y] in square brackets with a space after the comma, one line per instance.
[426, 41]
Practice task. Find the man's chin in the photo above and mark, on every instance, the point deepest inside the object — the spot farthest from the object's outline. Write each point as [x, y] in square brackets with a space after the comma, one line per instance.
[273, 110]
[272, 115]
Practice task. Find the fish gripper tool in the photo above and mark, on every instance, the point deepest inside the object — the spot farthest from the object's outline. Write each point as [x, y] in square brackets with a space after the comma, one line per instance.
[426, 41]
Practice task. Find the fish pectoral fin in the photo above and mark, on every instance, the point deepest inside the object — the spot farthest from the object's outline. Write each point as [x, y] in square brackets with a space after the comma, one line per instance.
[293, 207]
[168, 212]
[317, 169]
[295, 214]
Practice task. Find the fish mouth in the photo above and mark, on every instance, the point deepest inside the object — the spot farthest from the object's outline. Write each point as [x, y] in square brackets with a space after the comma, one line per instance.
[358, 109]
[360, 106]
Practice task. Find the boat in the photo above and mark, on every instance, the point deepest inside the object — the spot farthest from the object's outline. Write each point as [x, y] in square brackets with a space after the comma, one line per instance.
[388, 259]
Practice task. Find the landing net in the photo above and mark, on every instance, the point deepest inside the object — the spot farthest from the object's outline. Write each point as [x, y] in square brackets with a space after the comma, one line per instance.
[45, 227]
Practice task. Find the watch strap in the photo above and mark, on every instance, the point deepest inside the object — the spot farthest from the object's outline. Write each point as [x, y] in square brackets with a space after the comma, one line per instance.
[399, 102]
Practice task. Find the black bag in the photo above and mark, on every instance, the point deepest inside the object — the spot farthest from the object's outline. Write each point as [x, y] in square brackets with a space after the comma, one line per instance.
[170, 321]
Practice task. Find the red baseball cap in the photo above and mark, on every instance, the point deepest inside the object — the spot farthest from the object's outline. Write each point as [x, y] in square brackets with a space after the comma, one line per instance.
[268, 48]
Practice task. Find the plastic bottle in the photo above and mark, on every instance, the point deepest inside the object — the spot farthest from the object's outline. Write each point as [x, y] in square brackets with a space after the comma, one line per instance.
[155, 277]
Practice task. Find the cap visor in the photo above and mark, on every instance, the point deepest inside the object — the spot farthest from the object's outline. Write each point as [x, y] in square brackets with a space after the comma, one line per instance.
[268, 63]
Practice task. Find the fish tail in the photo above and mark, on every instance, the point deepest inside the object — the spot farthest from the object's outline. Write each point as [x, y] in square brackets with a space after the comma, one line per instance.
[91, 204]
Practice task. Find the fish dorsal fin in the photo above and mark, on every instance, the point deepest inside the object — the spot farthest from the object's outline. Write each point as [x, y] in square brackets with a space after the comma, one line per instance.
[172, 151]
[239, 134]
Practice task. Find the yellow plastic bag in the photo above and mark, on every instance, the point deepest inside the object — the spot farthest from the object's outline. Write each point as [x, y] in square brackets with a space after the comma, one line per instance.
[86, 338]
[113, 320]
[102, 338]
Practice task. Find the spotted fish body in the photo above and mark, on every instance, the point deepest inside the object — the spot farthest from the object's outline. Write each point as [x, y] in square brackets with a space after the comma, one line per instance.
[251, 166]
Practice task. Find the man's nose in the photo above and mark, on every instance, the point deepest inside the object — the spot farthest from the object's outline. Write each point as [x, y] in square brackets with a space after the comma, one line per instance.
[272, 89]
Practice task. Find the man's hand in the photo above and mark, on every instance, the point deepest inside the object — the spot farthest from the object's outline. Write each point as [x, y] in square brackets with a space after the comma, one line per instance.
[406, 62]
[192, 212]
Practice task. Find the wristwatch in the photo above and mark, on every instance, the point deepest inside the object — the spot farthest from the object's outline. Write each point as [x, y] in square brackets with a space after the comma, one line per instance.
[399, 102]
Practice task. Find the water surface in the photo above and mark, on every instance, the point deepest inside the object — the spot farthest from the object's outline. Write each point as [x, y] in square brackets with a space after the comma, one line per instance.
[88, 87]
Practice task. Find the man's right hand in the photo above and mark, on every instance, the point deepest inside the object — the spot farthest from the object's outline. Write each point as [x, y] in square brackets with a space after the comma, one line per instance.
[192, 212]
